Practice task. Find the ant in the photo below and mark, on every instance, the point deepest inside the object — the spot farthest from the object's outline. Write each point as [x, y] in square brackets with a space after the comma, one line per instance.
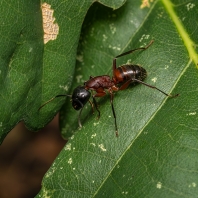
[122, 77]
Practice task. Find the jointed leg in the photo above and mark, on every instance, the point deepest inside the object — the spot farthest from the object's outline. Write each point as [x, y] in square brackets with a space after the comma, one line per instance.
[79, 122]
[99, 93]
[125, 85]
[153, 87]
[114, 115]
[140, 48]
[92, 106]
[96, 105]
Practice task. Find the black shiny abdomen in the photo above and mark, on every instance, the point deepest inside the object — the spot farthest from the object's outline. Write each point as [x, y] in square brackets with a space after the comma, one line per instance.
[132, 72]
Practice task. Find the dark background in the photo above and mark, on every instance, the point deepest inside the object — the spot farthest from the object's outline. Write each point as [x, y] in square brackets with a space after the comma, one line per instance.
[25, 157]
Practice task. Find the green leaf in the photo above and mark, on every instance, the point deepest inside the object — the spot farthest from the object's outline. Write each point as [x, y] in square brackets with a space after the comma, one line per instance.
[30, 72]
[155, 154]
[21, 58]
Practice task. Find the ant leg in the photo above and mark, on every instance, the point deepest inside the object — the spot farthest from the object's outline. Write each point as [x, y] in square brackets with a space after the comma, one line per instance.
[96, 105]
[79, 122]
[114, 115]
[92, 106]
[128, 52]
[153, 87]
[114, 68]
[99, 93]
[131, 51]
[125, 85]
[53, 99]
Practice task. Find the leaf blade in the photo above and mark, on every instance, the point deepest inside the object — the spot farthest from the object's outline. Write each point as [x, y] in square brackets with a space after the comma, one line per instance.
[153, 154]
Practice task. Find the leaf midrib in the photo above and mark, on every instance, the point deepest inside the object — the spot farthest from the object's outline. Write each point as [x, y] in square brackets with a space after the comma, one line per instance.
[188, 43]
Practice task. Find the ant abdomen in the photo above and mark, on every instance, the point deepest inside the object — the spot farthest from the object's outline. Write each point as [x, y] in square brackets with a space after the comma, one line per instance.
[127, 72]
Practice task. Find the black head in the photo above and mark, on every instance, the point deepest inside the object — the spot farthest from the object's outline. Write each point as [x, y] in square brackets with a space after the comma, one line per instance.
[80, 97]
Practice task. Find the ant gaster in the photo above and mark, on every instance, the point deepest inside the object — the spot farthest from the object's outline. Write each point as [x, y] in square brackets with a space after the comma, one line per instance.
[122, 77]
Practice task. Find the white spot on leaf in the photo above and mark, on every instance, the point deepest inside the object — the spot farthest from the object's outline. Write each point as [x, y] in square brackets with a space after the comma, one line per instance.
[112, 28]
[95, 123]
[50, 29]
[190, 6]
[101, 146]
[79, 58]
[192, 113]
[192, 185]
[145, 3]
[64, 87]
[144, 36]
[159, 185]
[104, 37]
[68, 147]
[70, 161]
[94, 135]
[115, 47]
[154, 79]
[78, 78]
[166, 67]
[93, 144]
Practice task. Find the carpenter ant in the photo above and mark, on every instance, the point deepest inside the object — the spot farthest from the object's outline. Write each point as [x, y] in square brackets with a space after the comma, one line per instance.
[122, 77]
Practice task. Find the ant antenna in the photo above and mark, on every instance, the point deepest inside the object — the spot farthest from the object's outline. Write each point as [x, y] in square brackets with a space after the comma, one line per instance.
[53, 99]
[131, 51]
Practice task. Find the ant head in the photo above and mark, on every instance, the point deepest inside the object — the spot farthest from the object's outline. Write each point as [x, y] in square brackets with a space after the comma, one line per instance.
[80, 97]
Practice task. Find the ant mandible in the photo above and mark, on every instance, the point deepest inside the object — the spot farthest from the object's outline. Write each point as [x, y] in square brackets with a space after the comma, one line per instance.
[122, 77]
